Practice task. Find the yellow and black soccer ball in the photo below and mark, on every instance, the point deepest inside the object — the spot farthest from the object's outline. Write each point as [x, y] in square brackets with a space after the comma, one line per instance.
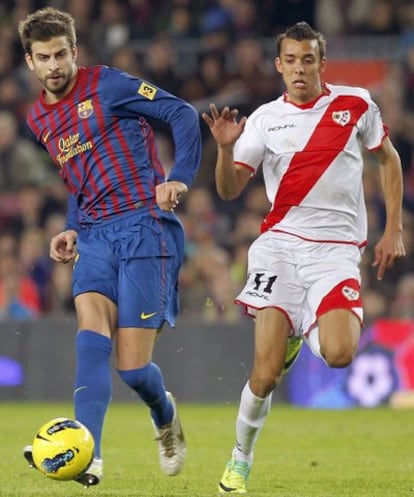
[63, 449]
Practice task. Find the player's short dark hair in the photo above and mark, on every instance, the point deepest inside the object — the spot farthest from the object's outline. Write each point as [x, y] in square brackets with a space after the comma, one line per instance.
[45, 24]
[302, 31]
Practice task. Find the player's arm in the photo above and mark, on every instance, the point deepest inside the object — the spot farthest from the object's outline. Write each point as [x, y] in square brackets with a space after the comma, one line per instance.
[391, 244]
[72, 214]
[134, 97]
[231, 178]
[63, 245]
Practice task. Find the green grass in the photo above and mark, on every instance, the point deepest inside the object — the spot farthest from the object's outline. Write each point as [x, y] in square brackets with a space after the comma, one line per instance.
[301, 453]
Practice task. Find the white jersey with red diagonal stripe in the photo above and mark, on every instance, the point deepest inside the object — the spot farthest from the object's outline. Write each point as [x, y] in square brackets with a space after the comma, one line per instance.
[312, 162]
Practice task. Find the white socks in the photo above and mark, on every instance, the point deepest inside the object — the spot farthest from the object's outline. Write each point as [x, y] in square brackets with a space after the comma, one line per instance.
[250, 420]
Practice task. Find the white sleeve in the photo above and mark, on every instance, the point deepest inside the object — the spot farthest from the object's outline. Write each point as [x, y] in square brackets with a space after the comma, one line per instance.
[250, 147]
[372, 129]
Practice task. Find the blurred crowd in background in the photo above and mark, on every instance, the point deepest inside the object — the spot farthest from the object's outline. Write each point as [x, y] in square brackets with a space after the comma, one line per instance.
[204, 51]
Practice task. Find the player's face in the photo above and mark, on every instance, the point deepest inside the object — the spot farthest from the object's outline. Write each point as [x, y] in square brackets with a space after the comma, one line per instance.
[54, 64]
[300, 65]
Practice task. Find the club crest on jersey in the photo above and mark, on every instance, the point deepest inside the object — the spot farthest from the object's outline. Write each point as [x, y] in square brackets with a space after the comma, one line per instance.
[341, 117]
[349, 293]
[85, 109]
[147, 90]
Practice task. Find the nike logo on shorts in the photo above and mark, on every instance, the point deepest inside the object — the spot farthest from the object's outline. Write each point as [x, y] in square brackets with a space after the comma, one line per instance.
[147, 316]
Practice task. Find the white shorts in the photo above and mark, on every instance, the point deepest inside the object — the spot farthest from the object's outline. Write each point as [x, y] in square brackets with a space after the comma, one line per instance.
[302, 279]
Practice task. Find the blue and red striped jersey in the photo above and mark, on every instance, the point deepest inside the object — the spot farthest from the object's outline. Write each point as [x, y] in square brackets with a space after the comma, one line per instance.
[105, 150]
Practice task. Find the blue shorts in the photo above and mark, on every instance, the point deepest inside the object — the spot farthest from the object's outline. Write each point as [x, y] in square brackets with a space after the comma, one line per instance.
[135, 262]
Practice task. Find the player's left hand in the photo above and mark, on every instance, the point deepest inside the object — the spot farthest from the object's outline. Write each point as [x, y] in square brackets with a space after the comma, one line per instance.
[389, 248]
[168, 194]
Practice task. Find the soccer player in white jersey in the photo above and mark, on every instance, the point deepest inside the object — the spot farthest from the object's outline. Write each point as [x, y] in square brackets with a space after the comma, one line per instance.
[303, 270]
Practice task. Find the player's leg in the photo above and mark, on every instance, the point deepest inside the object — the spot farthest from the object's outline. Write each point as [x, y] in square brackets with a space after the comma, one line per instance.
[271, 336]
[95, 280]
[333, 307]
[272, 330]
[274, 295]
[136, 369]
[97, 316]
[95, 277]
[148, 297]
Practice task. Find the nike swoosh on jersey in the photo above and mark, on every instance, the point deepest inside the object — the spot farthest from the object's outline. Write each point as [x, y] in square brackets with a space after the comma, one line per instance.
[45, 136]
[147, 316]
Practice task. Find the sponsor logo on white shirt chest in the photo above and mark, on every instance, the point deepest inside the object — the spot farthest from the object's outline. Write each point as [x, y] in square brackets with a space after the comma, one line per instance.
[280, 127]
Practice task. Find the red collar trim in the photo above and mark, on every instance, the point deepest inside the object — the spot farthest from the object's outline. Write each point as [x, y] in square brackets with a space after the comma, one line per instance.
[308, 105]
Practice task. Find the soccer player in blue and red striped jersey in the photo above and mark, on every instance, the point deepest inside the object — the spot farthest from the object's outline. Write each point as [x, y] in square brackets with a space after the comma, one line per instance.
[122, 233]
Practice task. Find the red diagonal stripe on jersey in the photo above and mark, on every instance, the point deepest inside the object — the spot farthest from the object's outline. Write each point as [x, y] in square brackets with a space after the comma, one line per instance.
[308, 165]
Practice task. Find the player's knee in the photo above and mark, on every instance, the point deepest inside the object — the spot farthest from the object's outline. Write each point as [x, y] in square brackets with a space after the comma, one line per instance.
[339, 346]
[262, 386]
[135, 378]
[337, 357]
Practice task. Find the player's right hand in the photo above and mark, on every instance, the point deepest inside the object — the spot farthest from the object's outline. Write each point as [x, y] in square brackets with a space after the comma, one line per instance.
[63, 246]
[224, 125]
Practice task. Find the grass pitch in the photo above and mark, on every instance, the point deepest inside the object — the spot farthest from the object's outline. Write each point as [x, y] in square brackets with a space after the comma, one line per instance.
[300, 453]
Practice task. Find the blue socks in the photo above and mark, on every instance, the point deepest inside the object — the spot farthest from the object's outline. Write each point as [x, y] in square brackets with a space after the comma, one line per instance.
[93, 382]
[148, 383]
[93, 385]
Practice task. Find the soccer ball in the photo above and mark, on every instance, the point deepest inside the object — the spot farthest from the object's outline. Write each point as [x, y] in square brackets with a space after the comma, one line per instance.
[63, 449]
